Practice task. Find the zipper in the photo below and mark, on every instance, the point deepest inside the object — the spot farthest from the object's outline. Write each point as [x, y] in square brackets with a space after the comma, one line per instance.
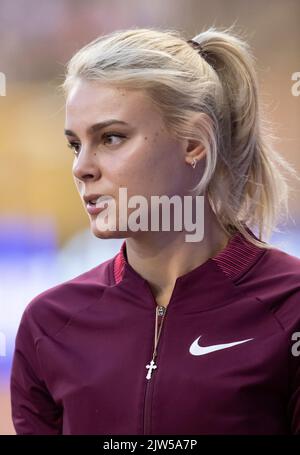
[161, 313]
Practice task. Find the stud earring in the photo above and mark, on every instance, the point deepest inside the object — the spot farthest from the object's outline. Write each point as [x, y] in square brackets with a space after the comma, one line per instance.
[194, 163]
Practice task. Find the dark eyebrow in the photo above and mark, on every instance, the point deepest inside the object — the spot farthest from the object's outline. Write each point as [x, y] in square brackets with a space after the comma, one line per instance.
[98, 126]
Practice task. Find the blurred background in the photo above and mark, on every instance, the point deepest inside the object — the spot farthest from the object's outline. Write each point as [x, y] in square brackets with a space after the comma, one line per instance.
[44, 233]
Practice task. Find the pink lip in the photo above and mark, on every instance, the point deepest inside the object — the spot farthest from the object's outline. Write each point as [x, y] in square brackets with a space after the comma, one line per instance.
[93, 209]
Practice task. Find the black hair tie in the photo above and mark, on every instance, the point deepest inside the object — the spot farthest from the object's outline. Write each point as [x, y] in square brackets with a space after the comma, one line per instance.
[197, 47]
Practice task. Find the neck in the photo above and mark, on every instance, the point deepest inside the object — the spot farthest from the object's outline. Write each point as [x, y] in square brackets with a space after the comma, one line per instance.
[161, 257]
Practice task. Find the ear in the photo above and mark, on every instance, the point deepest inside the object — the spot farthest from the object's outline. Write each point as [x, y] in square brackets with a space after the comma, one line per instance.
[195, 148]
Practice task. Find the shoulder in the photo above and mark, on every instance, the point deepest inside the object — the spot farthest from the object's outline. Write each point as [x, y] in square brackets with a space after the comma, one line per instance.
[51, 309]
[275, 280]
[282, 261]
[278, 267]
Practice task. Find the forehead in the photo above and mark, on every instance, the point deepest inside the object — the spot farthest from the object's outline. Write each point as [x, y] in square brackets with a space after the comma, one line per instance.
[88, 101]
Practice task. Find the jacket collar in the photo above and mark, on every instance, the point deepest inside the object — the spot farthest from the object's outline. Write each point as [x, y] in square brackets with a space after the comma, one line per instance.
[234, 260]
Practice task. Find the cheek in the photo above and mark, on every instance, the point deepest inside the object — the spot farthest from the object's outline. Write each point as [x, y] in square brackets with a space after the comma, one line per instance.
[151, 168]
[142, 175]
[163, 171]
[134, 168]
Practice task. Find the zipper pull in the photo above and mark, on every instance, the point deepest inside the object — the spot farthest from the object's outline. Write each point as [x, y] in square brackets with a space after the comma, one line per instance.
[161, 310]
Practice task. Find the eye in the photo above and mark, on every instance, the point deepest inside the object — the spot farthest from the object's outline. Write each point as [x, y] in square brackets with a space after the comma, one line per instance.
[74, 146]
[107, 136]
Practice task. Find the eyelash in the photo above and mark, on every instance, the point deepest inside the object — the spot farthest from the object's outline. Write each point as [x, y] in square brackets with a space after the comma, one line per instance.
[72, 145]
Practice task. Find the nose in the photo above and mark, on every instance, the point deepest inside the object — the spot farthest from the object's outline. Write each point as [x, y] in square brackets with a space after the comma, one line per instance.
[85, 167]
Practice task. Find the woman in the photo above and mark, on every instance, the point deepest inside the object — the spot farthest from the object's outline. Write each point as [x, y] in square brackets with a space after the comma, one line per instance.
[169, 336]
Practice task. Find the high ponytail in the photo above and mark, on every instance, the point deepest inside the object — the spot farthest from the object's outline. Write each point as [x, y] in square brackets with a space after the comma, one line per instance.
[244, 175]
[257, 188]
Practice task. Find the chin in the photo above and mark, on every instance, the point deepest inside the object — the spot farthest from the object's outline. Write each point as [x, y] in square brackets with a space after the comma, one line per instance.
[108, 233]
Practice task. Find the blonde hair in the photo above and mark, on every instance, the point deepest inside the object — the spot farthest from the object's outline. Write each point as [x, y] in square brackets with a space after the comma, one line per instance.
[244, 175]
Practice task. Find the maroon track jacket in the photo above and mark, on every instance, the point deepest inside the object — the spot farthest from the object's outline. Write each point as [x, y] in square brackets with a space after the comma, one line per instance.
[227, 360]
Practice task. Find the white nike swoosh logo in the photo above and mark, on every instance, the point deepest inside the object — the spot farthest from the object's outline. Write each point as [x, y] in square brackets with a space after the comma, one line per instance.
[195, 349]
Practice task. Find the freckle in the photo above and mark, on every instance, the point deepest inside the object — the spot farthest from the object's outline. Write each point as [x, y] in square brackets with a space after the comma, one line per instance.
[145, 138]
